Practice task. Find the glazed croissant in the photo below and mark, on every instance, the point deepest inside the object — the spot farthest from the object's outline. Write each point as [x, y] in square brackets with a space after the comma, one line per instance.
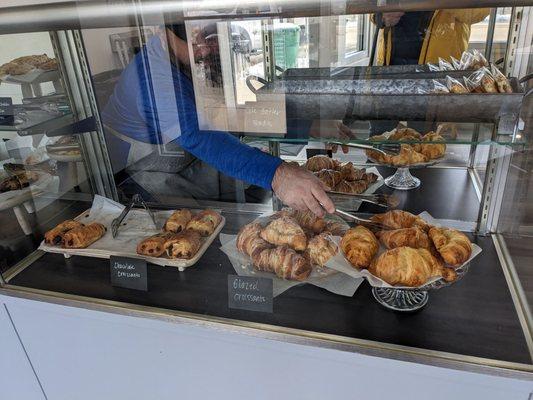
[249, 241]
[453, 246]
[55, 235]
[320, 162]
[285, 231]
[183, 245]
[178, 221]
[83, 236]
[284, 262]
[205, 222]
[329, 177]
[306, 219]
[320, 249]
[410, 237]
[359, 246]
[406, 266]
[397, 219]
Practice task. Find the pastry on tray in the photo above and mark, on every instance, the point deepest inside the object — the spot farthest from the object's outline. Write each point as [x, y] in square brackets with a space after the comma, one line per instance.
[410, 237]
[153, 246]
[285, 231]
[205, 222]
[320, 162]
[18, 181]
[283, 261]
[83, 236]
[359, 246]
[329, 177]
[178, 221]
[55, 235]
[183, 244]
[397, 219]
[351, 173]
[320, 249]
[351, 187]
[406, 266]
[306, 219]
[453, 246]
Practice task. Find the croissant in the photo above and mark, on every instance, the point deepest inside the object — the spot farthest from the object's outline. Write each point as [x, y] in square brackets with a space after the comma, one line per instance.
[410, 237]
[285, 230]
[306, 219]
[153, 246]
[249, 241]
[183, 245]
[433, 150]
[402, 132]
[370, 178]
[284, 262]
[83, 236]
[407, 156]
[352, 187]
[55, 235]
[330, 177]
[320, 162]
[320, 249]
[409, 267]
[350, 173]
[359, 246]
[453, 246]
[335, 228]
[204, 222]
[178, 221]
[397, 219]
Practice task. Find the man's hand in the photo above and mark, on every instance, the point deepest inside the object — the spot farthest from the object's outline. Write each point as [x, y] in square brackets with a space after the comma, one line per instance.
[392, 18]
[301, 190]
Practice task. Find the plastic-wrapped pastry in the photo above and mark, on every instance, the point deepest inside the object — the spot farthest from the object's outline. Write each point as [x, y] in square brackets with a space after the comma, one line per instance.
[285, 231]
[178, 221]
[320, 162]
[249, 241]
[336, 228]
[329, 177]
[284, 262]
[83, 236]
[359, 246]
[205, 222]
[397, 219]
[153, 246]
[433, 150]
[503, 84]
[453, 246]
[351, 187]
[410, 237]
[456, 86]
[406, 266]
[306, 219]
[55, 235]
[320, 249]
[183, 244]
[350, 173]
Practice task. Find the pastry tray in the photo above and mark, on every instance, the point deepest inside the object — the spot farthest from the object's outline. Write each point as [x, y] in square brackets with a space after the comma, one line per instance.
[137, 220]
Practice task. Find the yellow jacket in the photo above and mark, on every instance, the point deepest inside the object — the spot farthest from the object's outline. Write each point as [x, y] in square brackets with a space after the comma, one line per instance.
[447, 35]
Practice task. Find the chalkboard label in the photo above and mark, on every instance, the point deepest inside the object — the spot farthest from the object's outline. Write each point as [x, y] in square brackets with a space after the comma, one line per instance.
[248, 293]
[129, 273]
[6, 111]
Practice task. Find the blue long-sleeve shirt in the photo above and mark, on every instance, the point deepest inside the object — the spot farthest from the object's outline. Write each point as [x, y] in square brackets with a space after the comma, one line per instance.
[171, 112]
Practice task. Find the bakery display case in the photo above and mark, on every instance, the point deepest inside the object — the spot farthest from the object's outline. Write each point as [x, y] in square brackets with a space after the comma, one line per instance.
[143, 153]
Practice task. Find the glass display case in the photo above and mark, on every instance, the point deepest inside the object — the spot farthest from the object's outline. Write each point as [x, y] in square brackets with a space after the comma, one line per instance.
[175, 138]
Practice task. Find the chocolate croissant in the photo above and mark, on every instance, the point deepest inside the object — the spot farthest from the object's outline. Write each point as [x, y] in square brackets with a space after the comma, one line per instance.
[284, 262]
[351, 187]
[285, 231]
[205, 222]
[55, 235]
[306, 219]
[397, 219]
[410, 237]
[453, 246]
[249, 241]
[320, 162]
[183, 245]
[329, 177]
[406, 266]
[359, 246]
[83, 236]
[178, 221]
[153, 246]
[320, 249]
[350, 173]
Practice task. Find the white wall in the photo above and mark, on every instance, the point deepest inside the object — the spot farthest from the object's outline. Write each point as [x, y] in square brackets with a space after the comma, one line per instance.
[98, 48]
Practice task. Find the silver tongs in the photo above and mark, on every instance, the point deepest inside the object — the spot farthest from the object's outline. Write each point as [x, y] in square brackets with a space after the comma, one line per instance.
[379, 199]
[136, 200]
[375, 226]
[385, 148]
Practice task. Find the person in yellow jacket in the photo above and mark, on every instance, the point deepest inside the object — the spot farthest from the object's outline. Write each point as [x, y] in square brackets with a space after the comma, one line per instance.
[422, 37]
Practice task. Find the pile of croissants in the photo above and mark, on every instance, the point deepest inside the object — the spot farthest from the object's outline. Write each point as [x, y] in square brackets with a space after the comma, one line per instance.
[342, 178]
[419, 149]
[290, 244]
[416, 251]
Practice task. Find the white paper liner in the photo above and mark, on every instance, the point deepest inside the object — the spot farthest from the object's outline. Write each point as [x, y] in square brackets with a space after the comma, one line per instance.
[332, 281]
[339, 263]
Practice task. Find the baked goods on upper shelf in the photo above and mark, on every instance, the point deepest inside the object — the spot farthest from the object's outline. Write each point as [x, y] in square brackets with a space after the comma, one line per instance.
[55, 235]
[205, 222]
[359, 246]
[320, 162]
[178, 221]
[19, 180]
[409, 267]
[83, 236]
[25, 64]
[396, 219]
[285, 231]
[453, 246]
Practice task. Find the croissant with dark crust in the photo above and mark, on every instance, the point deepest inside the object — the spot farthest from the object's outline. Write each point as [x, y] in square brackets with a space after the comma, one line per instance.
[350, 173]
[306, 219]
[83, 236]
[397, 219]
[205, 222]
[359, 246]
[329, 177]
[249, 241]
[410, 237]
[285, 231]
[320, 162]
[453, 246]
[406, 266]
[284, 262]
[153, 246]
[320, 249]
[55, 235]
[178, 221]
[183, 245]
[352, 187]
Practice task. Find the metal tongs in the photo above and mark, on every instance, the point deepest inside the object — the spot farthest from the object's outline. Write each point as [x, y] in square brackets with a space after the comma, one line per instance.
[385, 148]
[379, 199]
[374, 226]
[136, 200]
